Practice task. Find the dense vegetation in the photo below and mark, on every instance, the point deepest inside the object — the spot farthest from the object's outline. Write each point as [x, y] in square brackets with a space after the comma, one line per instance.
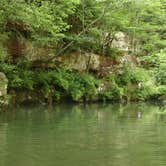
[66, 26]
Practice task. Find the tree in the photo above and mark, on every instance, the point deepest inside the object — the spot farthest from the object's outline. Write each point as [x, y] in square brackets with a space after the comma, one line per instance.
[43, 20]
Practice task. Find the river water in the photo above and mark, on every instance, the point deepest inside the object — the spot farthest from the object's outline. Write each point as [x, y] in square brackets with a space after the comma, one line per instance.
[79, 135]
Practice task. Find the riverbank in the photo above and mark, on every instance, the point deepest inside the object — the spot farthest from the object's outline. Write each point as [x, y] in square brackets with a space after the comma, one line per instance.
[82, 54]
[59, 85]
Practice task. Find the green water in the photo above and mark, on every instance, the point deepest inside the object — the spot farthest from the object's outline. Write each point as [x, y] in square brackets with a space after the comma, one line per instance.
[93, 135]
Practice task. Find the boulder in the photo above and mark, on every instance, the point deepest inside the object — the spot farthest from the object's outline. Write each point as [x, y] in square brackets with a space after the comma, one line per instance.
[3, 84]
[4, 100]
[121, 42]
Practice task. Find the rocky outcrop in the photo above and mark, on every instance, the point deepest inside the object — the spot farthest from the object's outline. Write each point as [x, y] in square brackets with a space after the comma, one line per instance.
[40, 56]
[121, 42]
[130, 59]
[3, 89]
[20, 46]
[80, 61]
[34, 52]
[3, 84]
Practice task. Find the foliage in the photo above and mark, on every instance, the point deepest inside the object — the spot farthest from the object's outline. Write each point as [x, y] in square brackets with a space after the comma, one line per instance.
[161, 67]
[132, 84]
[157, 63]
[43, 20]
[18, 77]
[143, 21]
[67, 82]
[162, 91]
[90, 26]
[3, 54]
[59, 83]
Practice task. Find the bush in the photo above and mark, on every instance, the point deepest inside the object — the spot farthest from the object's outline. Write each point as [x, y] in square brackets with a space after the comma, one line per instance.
[157, 63]
[18, 77]
[113, 91]
[133, 83]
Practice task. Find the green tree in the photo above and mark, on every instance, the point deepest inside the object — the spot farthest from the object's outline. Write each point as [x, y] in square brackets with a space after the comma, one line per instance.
[42, 20]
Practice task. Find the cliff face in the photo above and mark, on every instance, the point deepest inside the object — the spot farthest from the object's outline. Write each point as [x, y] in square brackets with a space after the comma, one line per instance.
[80, 62]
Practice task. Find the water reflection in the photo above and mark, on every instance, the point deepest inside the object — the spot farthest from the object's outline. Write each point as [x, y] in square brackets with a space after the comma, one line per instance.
[96, 134]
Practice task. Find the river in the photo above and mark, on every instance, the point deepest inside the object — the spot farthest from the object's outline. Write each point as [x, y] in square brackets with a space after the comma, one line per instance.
[79, 135]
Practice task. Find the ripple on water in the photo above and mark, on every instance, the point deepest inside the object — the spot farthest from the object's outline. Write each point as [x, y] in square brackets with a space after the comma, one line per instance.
[78, 136]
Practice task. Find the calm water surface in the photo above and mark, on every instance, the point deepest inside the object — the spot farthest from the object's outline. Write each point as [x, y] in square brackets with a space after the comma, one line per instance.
[92, 135]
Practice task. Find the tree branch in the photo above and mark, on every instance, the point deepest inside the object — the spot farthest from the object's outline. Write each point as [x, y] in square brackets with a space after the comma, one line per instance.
[93, 22]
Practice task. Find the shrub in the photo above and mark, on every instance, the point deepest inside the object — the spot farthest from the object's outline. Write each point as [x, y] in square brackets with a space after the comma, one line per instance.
[113, 91]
